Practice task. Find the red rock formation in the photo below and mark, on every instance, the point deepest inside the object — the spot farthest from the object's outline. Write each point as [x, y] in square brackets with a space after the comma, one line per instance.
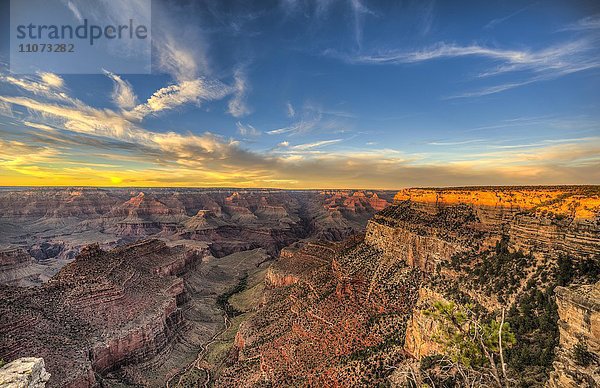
[330, 313]
[541, 220]
[329, 319]
[16, 266]
[358, 202]
[96, 314]
[377, 203]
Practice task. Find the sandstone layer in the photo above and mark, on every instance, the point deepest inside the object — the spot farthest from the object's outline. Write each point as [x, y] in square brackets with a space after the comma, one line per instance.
[545, 220]
[326, 310]
[95, 315]
[26, 372]
[578, 354]
[52, 225]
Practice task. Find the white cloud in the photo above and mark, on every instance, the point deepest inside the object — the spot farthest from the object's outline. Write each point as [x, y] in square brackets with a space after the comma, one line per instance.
[52, 80]
[440, 50]
[176, 60]
[452, 143]
[73, 8]
[291, 112]
[172, 96]
[317, 144]
[40, 126]
[237, 106]
[44, 84]
[359, 10]
[490, 90]
[532, 65]
[123, 95]
[247, 129]
[299, 127]
[494, 22]
[5, 109]
[586, 23]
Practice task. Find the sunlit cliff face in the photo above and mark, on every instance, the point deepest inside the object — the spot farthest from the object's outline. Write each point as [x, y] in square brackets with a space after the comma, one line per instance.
[561, 202]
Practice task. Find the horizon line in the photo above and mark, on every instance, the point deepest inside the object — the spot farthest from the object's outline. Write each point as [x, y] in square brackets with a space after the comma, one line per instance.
[296, 189]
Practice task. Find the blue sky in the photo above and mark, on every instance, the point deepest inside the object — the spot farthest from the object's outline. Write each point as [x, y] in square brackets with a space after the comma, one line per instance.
[306, 94]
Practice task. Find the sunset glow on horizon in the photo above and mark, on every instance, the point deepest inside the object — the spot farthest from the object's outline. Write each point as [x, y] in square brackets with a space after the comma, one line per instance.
[332, 94]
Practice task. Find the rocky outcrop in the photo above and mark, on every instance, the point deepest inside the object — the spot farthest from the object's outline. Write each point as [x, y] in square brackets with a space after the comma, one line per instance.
[422, 239]
[332, 315]
[543, 220]
[96, 315]
[356, 202]
[377, 203]
[429, 226]
[53, 224]
[17, 267]
[326, 310]
[420, 338]
[14, 264]
[577, 361]
[27, 372]
[274, 278]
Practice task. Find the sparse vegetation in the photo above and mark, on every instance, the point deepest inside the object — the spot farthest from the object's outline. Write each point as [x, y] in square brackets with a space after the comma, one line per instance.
[582, 356]
[533, 314]
[534, 318]
[474, 350]
[223, 299]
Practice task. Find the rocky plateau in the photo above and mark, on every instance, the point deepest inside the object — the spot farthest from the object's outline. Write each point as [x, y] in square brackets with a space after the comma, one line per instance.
[274, 288]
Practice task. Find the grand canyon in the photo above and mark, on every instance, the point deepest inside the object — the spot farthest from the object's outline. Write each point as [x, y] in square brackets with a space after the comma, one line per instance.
[194, 287]
[299, 193]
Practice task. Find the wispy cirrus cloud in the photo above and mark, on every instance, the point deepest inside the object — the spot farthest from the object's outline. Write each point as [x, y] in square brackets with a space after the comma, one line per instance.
[495, 22]
[247, 130]
[47, 85]
[587, 23]
[238, 106]
[291, 112]
[529, 65]
[5, 109]
[123, 95]
[186, 61]
[40, 126]
[359, 11]
[313, 117]
[52, 80]
[453, 143]
[316, 144]
[551, 57]
[169, 97]
[297, 127]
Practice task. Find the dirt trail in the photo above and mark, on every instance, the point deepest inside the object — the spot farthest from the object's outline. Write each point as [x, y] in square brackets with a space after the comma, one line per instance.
[196, 363]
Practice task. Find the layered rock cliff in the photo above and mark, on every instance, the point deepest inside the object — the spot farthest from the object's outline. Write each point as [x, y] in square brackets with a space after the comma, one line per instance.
[96, 315]
[350, 313]
[492, 249]
[16, 266]
[545, 220]
[53, 224]
[578, 353]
